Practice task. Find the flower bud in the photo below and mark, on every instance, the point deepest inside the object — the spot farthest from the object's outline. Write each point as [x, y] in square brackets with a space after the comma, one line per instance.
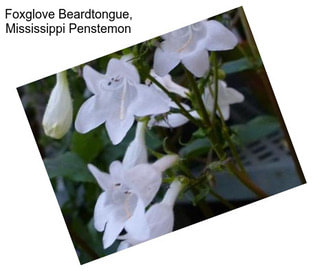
[136, 152]
[166, 162]
[58, 115]
[172, 193]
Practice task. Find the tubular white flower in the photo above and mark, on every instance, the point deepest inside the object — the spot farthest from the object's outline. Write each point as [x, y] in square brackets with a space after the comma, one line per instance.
[136, 152]
[190, 45]
[118, 98]
[226, 96]
[166, 162]
[169, 84]
[159, 219]
[58, 115]
[171, 120]
[172, 193]
[126, 193]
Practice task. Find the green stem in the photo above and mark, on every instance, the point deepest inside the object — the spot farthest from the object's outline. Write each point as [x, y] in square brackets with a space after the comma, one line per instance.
[231, 145]
[198, 97]
[216, 86]
[173, 97]
[241, 175]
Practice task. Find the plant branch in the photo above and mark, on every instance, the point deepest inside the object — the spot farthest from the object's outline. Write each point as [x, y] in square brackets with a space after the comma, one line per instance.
[216, 86]
[231, 145]
[243, 177]
[197, 94]
[173, 97]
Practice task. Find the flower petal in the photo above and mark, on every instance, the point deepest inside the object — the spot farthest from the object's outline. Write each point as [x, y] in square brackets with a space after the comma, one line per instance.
[150, 101]
[194, 114]
[116, 168]
[172, 120]
[124, 69]
[185, 40]
[225, 110]
[208, 99]
[119, 117]
[93, 79]
[117, 129]
[136, 152]
[172, 193]
[164, 61]
[92, 113]
[170, 85]
[160, 218]
[197, 62]
[145, 180]
[112, 230]
[228, 95]
[123, 245]
[137, 226]
[127, 58]
[219, 37]
[104, 179]
[165, 162]
[124, 206]
[101, 212]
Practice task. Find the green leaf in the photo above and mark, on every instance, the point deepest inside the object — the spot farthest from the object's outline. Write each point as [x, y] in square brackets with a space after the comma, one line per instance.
[196, 148]
[68, 165]
[89, 145]
[239, 65]
[255, 129]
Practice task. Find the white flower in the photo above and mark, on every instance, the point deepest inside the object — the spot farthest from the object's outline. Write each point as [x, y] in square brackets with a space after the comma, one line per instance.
[226, 96]
[171, 120]
[58, 115]
[118, 98]
[190, 45]
[159, 219]
[169, 84]
[136, 152]
[127, 191]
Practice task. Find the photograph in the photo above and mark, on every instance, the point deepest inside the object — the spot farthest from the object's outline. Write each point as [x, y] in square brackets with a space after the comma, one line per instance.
[161, 135]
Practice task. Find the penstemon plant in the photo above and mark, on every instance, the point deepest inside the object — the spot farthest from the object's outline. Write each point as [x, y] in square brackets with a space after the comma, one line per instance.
[123, 210]
[128, 137]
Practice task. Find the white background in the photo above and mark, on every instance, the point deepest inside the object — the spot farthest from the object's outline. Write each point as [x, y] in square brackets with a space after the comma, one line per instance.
[283, 232]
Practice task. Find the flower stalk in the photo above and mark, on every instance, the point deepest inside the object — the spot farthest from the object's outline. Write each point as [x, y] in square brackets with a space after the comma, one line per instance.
[173, 97]
[216, 87]
[197, 96]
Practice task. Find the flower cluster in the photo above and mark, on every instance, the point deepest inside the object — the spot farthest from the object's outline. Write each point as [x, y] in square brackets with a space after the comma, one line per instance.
[127, 192]
[126, 209]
